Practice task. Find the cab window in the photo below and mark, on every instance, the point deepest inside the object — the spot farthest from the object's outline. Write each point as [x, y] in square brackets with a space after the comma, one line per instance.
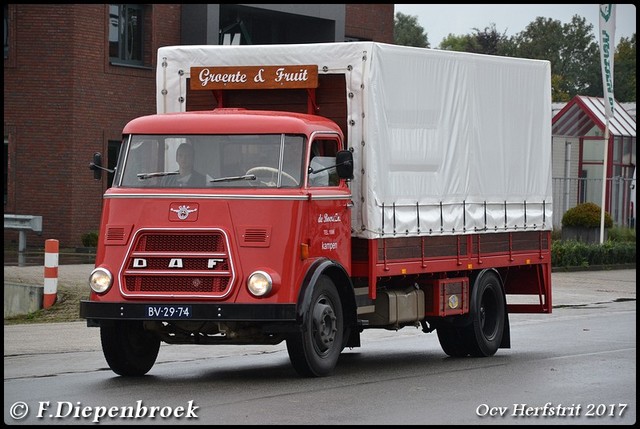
[322, 163]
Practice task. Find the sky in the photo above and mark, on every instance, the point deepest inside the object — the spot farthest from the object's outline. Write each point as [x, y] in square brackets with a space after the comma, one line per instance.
[438, 20]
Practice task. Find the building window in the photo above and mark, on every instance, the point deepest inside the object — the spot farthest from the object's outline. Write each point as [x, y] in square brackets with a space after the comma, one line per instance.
[126, 34]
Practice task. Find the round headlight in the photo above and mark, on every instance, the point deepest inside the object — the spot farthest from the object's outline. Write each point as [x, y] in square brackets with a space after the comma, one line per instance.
[100, 280]
[259, 283]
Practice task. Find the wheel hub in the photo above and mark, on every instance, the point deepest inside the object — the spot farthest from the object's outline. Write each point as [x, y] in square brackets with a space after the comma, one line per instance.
[325, 327]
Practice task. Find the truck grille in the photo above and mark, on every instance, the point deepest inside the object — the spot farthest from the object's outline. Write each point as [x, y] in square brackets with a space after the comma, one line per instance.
[178, 264]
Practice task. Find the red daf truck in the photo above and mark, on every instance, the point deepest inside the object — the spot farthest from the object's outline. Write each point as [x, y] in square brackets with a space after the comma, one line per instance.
[305, 193]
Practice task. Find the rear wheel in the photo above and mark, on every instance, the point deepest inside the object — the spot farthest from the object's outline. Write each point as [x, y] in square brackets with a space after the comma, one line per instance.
[453, 341]
[484, 335]
[314, 351]
[129, 349]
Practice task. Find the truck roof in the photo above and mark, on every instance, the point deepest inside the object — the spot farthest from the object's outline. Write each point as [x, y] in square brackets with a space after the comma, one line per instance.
[230, 121]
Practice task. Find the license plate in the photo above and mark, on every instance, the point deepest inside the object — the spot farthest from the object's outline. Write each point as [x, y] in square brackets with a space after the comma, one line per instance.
[168, 311]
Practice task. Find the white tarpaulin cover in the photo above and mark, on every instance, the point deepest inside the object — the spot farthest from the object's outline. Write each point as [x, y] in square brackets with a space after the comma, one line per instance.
[449, 142]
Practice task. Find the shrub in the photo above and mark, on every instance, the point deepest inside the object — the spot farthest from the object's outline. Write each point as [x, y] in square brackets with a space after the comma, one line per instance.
[571, 253]
[90, 239]
[622, 234]
[585, 215]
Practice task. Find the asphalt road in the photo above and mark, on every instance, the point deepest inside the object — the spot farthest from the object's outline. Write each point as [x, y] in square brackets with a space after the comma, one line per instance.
[582, 355]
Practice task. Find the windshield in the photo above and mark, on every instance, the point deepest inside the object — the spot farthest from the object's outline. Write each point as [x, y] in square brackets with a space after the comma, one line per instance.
[206, 161]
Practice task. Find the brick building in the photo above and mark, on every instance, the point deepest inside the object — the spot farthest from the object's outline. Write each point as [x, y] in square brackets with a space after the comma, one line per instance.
[75, 74]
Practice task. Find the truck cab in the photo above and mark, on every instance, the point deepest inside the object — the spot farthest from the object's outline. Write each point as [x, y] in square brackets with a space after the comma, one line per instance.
[221, 259]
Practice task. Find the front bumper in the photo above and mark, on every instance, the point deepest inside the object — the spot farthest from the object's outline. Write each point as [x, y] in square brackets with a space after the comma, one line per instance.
[92, 310]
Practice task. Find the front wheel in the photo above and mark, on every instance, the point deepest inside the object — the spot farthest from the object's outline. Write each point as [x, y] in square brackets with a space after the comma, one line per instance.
[129, 349]
[314, 351]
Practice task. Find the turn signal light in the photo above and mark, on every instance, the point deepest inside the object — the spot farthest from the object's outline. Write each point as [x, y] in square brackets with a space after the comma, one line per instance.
[304, 251]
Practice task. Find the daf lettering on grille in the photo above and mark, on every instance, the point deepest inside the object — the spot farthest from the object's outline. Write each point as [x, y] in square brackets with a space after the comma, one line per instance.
[179, 263]
[139, 263]
[175, 263]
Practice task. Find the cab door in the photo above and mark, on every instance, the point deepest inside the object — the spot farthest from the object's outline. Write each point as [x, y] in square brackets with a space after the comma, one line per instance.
[330, 202]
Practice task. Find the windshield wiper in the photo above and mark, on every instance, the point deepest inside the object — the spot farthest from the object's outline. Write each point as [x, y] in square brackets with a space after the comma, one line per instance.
[234, 178]
[143, 176]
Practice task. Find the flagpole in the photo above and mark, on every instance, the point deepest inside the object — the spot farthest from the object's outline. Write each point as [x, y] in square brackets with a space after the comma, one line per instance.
[607, 26]
[604, 180]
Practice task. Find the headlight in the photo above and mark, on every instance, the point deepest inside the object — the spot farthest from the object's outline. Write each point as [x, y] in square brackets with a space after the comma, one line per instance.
[259, 283]
[100, 280]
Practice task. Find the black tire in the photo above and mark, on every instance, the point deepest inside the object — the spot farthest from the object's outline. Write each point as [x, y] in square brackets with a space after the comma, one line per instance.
[484, 335]
[314, 351]
[453, 341]
[128, 348]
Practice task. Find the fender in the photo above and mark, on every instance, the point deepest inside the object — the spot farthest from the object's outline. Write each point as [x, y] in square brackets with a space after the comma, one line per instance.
[506, 335]
[340, 277]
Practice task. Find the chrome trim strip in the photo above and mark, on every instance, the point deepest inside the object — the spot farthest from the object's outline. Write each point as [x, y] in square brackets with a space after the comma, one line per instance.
[210, 273]
[331, 197]
[195, 255]
[233, 197]
[211, 196]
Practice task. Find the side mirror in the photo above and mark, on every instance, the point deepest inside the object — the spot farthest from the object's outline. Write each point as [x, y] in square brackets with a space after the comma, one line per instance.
[344, 164]
[96, 166]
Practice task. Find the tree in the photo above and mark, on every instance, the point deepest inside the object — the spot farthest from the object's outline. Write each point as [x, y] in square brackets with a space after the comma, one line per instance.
[462, 43]
[624, 70]
[407, 31]
[570, 48]
[557, 94]
[581, 58]
[489, 41]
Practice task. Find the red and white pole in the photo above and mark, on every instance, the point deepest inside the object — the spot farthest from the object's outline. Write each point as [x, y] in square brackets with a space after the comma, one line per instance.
[51, 249]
